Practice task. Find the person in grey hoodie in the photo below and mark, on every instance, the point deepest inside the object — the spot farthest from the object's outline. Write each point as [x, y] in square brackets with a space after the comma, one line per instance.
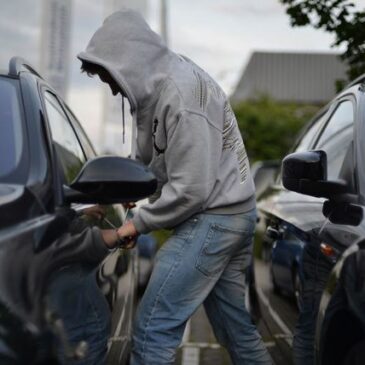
[188, 135]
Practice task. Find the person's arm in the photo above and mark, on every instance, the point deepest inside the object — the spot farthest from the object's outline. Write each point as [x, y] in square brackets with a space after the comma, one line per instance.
[192, 160]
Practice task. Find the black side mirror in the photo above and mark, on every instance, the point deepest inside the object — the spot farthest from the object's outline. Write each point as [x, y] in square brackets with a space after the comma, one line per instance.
[343, 212]
[306, 173]
[110, 180]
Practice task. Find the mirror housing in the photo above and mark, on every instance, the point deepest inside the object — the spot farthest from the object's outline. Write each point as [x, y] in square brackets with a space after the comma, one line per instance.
[110, 180]
[306, 173]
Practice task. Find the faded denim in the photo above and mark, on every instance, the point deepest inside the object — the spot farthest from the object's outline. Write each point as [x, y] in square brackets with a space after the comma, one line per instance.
[203, 262]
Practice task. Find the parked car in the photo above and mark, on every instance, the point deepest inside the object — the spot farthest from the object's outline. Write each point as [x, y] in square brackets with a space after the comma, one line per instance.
[49, 176]
[312, 219]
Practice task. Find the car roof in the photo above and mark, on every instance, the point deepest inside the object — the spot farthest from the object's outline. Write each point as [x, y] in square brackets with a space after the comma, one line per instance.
[19, 64]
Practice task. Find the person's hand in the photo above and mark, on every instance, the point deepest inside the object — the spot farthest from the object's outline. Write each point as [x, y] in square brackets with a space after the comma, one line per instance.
[128, 233]
[96, 212]
[129, 205]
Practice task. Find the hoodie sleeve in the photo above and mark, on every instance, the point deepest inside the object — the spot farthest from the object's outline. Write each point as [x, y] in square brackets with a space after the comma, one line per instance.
[192, 160]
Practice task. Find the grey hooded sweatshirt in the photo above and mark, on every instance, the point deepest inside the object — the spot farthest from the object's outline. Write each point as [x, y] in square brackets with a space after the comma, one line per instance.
[186, 130]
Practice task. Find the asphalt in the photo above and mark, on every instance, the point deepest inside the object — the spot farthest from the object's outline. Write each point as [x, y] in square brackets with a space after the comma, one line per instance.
[275, 323]
[199, 346]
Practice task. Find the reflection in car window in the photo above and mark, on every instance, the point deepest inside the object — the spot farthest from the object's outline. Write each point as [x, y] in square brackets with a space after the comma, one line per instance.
[306, 142]
[337, 137]
[11, 138]
[68, 149]
[87, 147]
[335, 155]
[342, 117]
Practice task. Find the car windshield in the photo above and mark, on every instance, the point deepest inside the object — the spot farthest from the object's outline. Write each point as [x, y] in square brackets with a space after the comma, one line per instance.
[11, 138]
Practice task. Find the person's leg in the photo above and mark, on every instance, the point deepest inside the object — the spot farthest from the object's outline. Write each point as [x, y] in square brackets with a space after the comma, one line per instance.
[187, 268]
[77, 300]
[225, 305]
[174, 292]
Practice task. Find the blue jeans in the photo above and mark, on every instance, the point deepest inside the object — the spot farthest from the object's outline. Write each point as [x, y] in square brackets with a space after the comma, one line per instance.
[204, 261]
[76, 298]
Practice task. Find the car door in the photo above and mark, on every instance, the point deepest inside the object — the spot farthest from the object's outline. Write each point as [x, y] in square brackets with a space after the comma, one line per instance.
[338, 234]
[294, 222]
[117, 276]
[289, 214]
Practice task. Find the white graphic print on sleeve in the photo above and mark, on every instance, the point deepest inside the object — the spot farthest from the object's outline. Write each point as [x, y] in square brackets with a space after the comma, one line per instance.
[232, 140]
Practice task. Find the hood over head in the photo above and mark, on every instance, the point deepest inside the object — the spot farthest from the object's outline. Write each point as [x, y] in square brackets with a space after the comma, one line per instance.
[134, 55]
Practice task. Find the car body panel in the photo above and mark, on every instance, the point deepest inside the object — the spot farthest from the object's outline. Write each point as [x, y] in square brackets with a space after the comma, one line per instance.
[296, 232]
[34, 221]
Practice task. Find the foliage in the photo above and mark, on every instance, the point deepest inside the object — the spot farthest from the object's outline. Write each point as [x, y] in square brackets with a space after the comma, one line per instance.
[269, 128]
[161, 236]
[338, 17]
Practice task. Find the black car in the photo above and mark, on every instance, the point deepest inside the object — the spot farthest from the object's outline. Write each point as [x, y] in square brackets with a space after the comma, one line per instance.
[311, 229]
[50, 181]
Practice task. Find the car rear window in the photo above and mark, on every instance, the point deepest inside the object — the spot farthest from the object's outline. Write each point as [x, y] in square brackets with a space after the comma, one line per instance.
[11, 135]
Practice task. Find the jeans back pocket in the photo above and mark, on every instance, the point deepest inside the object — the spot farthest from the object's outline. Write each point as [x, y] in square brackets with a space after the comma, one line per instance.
[218, 247]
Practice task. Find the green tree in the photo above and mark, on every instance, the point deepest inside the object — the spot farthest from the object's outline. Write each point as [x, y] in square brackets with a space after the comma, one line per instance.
[338, 17]
[269, 128]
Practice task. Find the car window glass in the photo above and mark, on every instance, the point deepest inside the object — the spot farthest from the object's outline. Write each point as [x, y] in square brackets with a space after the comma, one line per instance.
[336, 155]
[68, 148]
[308, 138]
[342, 117]
[337, 137]
[11, 137]
[87, 147]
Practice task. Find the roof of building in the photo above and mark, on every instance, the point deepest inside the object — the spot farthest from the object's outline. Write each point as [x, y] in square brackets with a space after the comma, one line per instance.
[291, 77]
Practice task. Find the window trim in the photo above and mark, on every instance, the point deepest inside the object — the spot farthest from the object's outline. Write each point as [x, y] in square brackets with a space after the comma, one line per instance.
[57, 180]
[336, 104]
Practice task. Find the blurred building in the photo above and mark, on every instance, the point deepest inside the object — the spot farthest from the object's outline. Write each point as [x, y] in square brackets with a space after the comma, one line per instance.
[56, 43]
[303, 78]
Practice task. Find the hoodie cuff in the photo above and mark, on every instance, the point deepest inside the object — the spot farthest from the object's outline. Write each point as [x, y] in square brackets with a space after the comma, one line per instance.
[140, 226]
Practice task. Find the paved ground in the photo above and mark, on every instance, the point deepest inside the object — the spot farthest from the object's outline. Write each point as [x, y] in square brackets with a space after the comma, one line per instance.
[200, 347]
[199, 344]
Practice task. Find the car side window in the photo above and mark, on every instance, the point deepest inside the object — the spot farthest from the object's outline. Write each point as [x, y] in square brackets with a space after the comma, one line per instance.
[68, 149]
[308, 138]
[337, 137]
[342, 117]
[86, 144]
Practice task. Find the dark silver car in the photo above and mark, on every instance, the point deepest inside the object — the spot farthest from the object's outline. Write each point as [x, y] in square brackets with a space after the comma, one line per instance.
[50, 180]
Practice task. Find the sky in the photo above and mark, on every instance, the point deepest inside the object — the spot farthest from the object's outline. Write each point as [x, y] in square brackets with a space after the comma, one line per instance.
[219, 35]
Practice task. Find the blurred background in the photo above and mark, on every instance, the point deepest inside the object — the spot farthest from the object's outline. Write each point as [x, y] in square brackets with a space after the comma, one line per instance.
[277, 76]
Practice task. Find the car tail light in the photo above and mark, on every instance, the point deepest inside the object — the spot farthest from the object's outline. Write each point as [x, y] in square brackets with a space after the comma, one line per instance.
[328, 251]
